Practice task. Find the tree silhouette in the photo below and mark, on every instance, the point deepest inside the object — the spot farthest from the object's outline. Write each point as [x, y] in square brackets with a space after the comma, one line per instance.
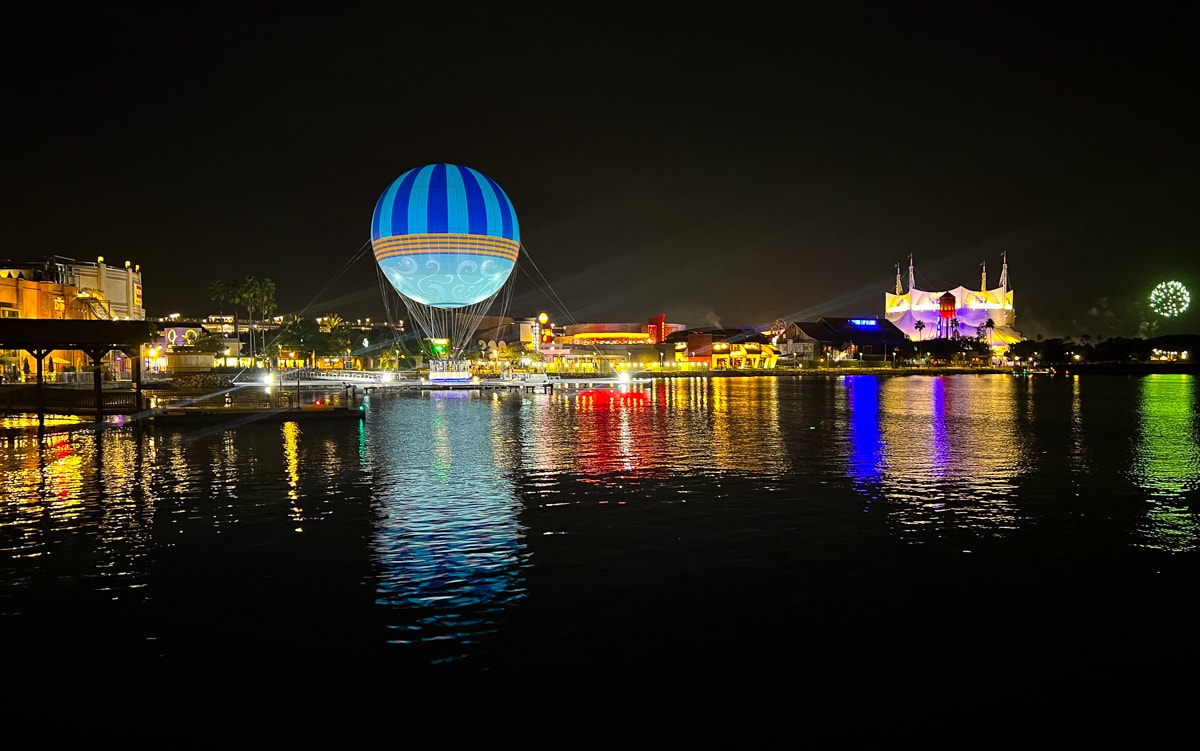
[222, 292]
[256, 296]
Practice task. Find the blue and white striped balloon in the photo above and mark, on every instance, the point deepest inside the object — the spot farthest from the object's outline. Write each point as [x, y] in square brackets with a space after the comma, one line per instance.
[445, 236]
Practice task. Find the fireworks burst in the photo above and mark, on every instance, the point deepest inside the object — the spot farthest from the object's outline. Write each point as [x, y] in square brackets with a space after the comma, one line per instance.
[1170, 299]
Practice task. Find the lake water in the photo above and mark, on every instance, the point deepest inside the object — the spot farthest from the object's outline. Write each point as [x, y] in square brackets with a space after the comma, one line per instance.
[686, 529]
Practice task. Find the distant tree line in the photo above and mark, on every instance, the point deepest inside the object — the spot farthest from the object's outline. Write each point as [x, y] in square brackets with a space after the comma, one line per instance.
[1067, 350]
[326, 336]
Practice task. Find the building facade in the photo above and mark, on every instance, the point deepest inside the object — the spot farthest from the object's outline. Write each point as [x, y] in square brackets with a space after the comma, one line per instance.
[62, 288]
[838, 339]
[960, 312]
[720, 349]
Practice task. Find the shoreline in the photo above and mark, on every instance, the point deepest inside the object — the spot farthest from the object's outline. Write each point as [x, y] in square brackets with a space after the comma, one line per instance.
[809, 372]
[1139, 368]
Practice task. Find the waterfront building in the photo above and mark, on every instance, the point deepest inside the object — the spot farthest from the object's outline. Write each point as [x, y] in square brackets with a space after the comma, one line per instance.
[604, 347]
[953, 313]
[578, 348]
[837, 339]
[61, 288]
[721, 349]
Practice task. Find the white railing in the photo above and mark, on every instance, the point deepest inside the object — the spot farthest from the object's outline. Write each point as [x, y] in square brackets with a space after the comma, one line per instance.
[357, 376]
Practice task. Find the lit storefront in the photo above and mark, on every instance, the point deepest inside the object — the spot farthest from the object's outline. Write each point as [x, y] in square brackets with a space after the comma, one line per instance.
[64, 289]
[737, 349]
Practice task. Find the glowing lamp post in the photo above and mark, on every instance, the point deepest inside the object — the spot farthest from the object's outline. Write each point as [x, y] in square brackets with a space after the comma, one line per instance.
[542, 320]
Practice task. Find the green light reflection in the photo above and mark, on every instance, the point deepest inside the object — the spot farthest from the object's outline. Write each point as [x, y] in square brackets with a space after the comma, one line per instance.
[1166, 461]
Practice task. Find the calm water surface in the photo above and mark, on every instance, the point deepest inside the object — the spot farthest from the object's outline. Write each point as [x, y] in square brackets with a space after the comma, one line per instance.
[726, 526]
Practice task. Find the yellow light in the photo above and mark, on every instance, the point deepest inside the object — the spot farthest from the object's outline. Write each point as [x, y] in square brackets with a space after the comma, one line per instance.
[543, 318]
[99, 259]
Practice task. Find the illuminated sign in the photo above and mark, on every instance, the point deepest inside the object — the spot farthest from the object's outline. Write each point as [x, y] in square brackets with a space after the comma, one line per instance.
[183, 337]
[869, 323]
[137, 295]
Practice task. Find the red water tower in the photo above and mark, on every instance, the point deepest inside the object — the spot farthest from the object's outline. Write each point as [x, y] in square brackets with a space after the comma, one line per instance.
[947, 308]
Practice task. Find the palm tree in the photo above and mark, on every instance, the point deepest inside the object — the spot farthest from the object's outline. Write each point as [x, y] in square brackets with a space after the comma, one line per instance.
[338, 339]
[920, 327]
[242, 292]
[267, 304]
[256, 296]
[332, 322]
[222, 292]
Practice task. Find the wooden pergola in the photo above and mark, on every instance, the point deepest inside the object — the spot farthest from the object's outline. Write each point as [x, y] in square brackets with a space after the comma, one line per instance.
[40, 336]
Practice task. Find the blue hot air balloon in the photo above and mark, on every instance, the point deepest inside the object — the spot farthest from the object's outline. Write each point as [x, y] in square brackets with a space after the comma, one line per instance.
[445, 236]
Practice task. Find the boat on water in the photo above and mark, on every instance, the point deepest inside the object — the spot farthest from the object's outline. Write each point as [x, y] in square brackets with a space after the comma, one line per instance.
[450, 373]
[1034, 371]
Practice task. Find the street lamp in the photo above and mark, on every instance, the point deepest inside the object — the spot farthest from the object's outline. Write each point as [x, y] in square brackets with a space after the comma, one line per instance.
[538, 324]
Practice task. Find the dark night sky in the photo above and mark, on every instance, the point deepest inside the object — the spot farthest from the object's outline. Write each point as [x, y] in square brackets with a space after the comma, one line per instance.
[729, 169]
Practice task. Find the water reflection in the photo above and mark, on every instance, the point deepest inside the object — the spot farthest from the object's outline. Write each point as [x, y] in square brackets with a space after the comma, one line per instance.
[610, 437]
[867, 449]
[421, 526]
[1166, 460]
[1079, 457]
[77, 497]
[617, 438]
[126, 527]
[448, 545]
[942, 454]
[744, 432]
[639, 440]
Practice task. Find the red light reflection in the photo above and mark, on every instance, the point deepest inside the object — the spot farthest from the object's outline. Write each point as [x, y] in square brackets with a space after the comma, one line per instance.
[618, 444]
[609, 397]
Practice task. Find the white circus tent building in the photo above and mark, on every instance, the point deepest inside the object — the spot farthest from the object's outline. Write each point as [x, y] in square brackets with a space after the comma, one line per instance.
[954, 313]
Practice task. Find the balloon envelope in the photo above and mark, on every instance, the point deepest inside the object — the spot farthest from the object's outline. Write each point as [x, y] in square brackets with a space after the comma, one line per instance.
[445, 235]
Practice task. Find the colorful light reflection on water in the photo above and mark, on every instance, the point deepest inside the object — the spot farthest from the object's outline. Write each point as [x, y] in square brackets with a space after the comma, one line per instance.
[1166, 460]
[703, 516]
[448, 544]
[943, 453]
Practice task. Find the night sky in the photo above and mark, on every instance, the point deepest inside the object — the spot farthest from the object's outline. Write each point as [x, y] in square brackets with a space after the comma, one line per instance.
[731, 168]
